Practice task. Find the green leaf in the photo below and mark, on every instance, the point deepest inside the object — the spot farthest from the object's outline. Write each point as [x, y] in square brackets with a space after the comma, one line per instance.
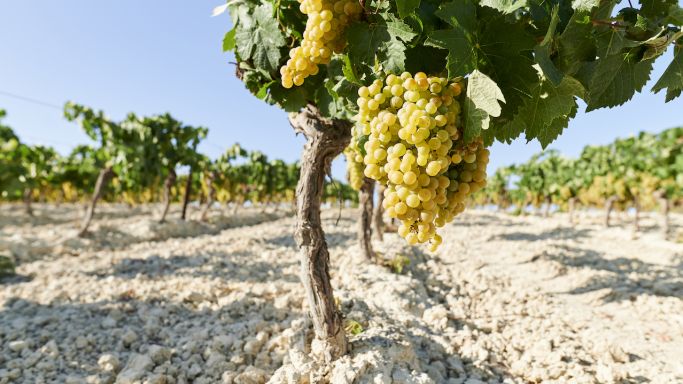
[504, 6]
[507, 56]
[383, 40]
[459, 38]
[481, 102]
[229, 40]
[614, 80]
[263, 91]
[542, 52]
[347, 70]
[672, 78]
[576, 45]
[675, 16]
[461, 58]
[261, 40]
[610, 41]
[655, 9]
[549, 110]
[585, 5]
[460, 14]
[406, 7]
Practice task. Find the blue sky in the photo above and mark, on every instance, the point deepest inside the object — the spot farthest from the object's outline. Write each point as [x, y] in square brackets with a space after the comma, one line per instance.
[152, 57]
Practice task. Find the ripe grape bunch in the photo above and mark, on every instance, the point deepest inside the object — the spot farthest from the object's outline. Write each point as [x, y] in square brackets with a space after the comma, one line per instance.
[323, 36]
[413, 143]
[354, 165]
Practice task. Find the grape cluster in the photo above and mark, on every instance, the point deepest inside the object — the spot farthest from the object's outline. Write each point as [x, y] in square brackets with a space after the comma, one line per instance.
[415, 147]
[354, 165]
[322, 37]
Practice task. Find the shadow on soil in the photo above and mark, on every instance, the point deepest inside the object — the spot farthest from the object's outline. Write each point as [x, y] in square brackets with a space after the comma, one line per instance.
[626, 278]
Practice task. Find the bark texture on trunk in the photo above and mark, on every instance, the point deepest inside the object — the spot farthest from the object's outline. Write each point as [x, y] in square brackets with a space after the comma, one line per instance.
[28, 195]
[326, 139]
[636, 219]
[188, 193]
[572, 209]
[609, 206]
[102, 180]
[379, 213]
[666, 206]
[211, 198]
[548, 203]
[168, 184]
[365, 203]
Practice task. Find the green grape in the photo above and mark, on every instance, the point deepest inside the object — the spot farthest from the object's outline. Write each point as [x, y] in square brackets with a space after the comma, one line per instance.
[415, 147]
[323, 36]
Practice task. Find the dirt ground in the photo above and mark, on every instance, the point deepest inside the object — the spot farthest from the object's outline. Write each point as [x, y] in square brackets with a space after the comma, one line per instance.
[505, 300]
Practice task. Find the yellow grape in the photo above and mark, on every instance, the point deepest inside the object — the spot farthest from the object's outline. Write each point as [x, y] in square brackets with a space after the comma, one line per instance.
[323, 36]
[415, 147]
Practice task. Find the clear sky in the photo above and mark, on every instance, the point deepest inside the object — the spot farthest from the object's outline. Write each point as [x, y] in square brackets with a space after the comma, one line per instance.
[165, 56]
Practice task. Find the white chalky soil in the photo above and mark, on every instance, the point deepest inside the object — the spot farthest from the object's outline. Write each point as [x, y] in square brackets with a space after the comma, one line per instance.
[505, 299]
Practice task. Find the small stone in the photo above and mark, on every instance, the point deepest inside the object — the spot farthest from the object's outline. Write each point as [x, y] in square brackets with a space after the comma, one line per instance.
[109, 363]
[158, 353]
[18, 345]
[50, 349]
[74, 380]
[223, 343]
[194, 297]
[137, 366]
[108, 322]
[81, 342]
[129, 337]
[194, 371]
[251, 375]
[228, 377]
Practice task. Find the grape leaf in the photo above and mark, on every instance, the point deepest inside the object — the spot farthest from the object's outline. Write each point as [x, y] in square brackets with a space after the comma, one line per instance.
[672, 78]
[461, 14]
[229, 40]
[548, 111]
[614, 80]
[460, 39]
[261, 39]
[610, 41]
[381, 40]
[576, 44]
[461, 58]
[481, 102]
[406, 7]
[504, 6]
[654, 9]
[507, 53]
[543, 51]
[675, 16]
[585, 5]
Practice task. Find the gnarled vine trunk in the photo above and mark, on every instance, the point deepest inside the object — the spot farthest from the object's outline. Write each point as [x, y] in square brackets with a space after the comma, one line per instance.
[609, 206]
[665, 207]
[326, 139]
[188, 193]
[379, 213]
[572, 209]
[211, 198]
[548, 204]
[28, 195]
[636, 219]
[102, 180]
[168, 184]
[365, 203]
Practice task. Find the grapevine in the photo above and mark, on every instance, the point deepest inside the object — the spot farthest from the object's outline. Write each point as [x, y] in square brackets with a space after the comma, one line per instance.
[324, 35]
[414, 144]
